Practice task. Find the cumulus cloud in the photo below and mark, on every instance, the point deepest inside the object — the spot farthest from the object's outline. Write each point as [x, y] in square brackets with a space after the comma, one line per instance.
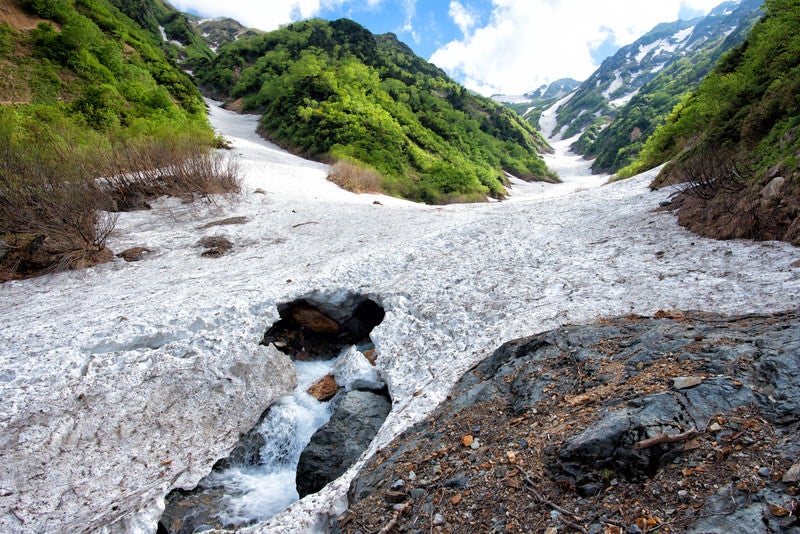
[527, 43]
[462, 16]
[262, 15]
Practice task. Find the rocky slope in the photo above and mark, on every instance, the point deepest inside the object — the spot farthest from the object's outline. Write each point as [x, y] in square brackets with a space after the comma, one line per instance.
[678, 422]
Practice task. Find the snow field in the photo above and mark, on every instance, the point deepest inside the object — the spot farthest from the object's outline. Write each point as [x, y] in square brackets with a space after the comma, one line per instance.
[455, 281]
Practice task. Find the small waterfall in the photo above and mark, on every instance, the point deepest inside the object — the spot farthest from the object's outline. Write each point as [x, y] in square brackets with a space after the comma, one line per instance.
[259, 478]
[242, 492]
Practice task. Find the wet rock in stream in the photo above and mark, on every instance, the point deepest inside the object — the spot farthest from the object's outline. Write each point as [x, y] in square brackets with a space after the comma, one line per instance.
[338, 444]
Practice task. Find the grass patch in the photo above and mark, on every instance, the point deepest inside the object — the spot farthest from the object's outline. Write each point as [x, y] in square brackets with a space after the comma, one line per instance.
[355, 178]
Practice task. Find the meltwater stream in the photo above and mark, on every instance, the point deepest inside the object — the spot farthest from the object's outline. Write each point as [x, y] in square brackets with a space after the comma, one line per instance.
[248, 491]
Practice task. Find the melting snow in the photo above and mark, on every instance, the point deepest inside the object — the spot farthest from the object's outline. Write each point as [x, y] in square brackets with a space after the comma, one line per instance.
[616, 84]
[455, 281]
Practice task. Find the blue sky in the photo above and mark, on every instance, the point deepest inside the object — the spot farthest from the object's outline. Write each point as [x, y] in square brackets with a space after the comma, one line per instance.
[490, 46]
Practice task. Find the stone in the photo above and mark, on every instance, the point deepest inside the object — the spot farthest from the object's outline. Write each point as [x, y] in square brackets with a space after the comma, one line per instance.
[417, 493]
[458, 481]
[317, 330]
[339, 443]
[134, 253]
[311, 318]
[467, 440]
[792, 475]
[685, 382]
[324, 389]
[215, 246]
[773, 188]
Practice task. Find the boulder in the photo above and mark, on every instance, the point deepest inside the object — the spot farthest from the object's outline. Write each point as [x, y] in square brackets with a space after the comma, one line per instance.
[324, 389]
[339, 443]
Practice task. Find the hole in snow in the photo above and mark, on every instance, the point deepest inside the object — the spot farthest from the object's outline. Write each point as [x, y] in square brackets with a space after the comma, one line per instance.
[315, 330]
[334, 360]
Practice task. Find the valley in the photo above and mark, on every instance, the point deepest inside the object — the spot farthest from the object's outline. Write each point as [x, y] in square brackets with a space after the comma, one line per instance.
[456, 282]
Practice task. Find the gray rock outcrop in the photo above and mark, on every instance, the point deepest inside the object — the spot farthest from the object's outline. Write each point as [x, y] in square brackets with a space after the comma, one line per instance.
[690, 418]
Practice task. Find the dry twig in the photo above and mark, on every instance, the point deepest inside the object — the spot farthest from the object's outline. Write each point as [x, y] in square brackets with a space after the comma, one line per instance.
[391, 524]
[665, 438]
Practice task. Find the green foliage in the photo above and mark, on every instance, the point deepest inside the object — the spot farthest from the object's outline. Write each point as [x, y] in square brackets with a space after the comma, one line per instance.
[334, 91]
[748, 106]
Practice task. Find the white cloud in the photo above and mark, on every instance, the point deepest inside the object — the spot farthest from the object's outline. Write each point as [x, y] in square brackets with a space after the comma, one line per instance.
[462, 16]
[527, 43]
[262, 15]
[410, 8]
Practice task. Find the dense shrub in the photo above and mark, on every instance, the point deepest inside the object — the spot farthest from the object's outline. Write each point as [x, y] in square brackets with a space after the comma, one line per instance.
[54, 211]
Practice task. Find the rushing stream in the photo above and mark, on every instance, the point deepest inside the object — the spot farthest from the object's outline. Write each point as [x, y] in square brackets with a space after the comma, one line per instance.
[245, 492]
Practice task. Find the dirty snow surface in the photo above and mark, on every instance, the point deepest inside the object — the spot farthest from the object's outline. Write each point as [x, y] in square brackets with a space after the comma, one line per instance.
[456, 282]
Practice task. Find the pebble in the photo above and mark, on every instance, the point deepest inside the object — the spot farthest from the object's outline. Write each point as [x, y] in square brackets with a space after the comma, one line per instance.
[412, 475]
[417, 493]
[684, 382]
[764, 472]
[793, 474]
[398, 484]
[438, 519]
[458, 481]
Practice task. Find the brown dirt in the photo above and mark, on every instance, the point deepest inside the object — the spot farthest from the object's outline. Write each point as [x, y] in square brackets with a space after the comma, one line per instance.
[743, 215]
[11, 12]
[509, 487]
[768, 209]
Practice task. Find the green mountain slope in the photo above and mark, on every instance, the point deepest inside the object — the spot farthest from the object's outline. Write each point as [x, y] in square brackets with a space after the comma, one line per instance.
[735, 140]
[334, 91]
[85, 91]
[618, 144]
[619, 106]
[89, 64]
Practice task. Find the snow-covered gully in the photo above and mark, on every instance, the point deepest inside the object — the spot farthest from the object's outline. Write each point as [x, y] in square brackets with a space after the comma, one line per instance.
[127, 380]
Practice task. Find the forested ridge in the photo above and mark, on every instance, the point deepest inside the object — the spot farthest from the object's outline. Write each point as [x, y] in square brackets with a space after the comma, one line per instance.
[336, 92]
[633, 91]
[735, 141]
